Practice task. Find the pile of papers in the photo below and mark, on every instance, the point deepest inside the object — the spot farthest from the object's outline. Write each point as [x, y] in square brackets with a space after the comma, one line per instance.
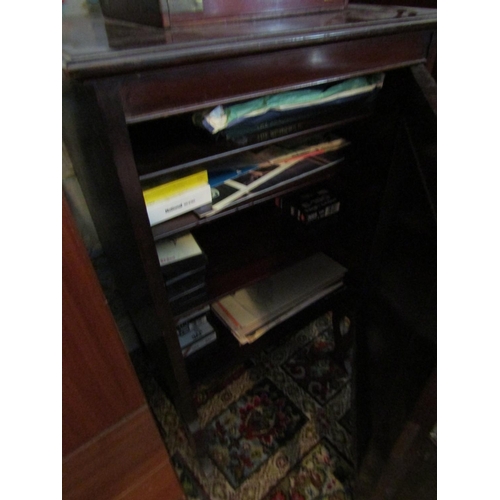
[252, 311]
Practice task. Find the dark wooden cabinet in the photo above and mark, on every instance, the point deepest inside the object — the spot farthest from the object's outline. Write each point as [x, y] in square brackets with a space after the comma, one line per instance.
[128, 95]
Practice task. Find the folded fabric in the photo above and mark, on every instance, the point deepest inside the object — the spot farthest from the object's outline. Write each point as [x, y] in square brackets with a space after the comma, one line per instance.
[223, 117]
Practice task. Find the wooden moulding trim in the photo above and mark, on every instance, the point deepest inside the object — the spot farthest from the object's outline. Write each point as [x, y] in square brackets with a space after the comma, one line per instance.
[231, 80]
[140, 59]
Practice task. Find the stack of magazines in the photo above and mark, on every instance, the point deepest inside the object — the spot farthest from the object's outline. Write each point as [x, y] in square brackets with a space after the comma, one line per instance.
[254, 174]
[252, 311]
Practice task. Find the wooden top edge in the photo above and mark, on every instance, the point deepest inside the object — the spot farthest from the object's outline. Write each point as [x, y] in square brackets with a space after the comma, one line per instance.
[119, 47]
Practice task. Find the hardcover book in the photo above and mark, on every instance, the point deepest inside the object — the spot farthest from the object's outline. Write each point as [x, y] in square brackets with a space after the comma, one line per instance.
[175, 187]
[173, 206]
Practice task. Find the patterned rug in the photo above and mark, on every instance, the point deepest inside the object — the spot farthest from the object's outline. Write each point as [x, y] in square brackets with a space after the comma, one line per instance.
[246, 435]
[315, 370]
[278, 429]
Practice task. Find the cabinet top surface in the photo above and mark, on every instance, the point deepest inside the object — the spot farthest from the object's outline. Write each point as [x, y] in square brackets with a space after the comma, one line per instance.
[93, 46]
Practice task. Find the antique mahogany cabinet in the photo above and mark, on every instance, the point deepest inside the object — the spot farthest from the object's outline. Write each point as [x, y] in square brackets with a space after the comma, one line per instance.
[129, 92]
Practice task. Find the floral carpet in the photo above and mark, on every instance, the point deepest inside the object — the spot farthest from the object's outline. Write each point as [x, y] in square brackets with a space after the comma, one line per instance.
[315, 370]
[278, 429]
[246, 435]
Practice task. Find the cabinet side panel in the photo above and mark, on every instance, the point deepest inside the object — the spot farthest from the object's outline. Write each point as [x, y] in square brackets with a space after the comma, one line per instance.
[88, 146]
[99, 385]
[121, 463]
[97, 141]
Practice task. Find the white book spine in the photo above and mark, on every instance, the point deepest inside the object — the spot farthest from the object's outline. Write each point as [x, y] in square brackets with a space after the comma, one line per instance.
[171, 207]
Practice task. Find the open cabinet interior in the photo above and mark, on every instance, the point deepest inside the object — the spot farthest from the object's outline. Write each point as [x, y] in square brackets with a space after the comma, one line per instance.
[382, 231]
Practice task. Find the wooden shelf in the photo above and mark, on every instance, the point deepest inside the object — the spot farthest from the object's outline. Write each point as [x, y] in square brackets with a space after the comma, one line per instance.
[168, 146]
[191, 221]
[229, 353]
[241, 251]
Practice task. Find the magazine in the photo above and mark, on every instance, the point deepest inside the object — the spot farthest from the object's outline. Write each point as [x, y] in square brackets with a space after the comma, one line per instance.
[281, 166]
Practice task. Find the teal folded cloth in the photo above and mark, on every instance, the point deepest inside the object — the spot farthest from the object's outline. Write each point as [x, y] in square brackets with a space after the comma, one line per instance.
[222, 117]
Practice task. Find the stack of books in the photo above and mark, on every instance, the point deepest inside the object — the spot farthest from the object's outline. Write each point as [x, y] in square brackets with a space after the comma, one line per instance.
[252, 311]
[178, 196]
[183, 264]
[310, 206]
[195, 332]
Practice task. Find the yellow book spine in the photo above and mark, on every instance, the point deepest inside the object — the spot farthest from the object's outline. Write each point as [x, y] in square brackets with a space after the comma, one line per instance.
[173, 188]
